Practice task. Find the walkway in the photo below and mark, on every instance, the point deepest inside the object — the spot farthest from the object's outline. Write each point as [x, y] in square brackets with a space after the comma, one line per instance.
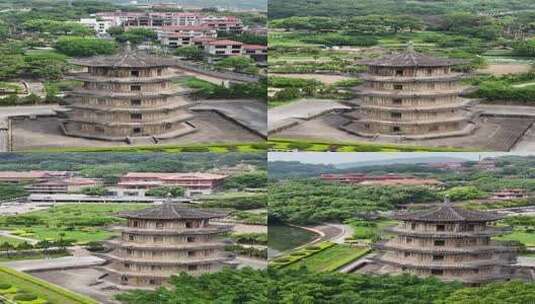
[8, 234]
[69, 262]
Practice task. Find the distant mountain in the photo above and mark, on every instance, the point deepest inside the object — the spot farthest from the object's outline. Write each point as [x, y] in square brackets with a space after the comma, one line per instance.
[293, 169]
[407, 161]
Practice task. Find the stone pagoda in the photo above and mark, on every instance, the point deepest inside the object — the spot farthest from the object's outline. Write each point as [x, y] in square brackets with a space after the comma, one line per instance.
[163, 241]
[127, 96]
[411, 95]
[450, 243]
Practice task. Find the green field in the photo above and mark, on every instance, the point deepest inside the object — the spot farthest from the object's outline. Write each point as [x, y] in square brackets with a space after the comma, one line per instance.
[525, 238]
[283, 144]
[10, 240]
[79, 222]
[331, 258]
[47, 293]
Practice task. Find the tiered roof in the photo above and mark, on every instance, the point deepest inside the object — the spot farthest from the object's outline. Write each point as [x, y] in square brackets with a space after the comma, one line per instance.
[410, 58]
[173, 211]
[448, 213]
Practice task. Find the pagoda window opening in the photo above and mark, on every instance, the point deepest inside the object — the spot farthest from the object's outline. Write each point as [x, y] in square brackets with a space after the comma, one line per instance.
[407, 254]
[438, 258]
[192, 267]
[126, 265]
[135, 88]
[152, 282]
[409, 240]
[135, 224]
[396, 129]
[440, 243]
[399, 72]
[441, 227]
[124, 278]
[413, 226]
[429, 72]
[137, 130]
[135, 102]
[130, 237]
[157, 239]
[395, 115]
[101, 101]
[189, 224]
[159, 72]
[134, 73]
[191, 253]
[397, 101]
[470, 227]
[438, 272]
[159, 225]
[398, 87]
[136, 116]
[190, 239]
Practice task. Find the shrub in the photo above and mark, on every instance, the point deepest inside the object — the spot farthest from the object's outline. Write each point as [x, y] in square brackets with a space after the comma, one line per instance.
[25, 297]
[5, 286]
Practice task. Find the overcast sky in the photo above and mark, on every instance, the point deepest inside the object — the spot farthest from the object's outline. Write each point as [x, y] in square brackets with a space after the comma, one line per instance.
[340, 157]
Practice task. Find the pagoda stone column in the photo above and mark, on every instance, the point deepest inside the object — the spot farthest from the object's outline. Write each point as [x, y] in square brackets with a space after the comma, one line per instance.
[163, 241]
[127, 96]
[450, 243]
[411, 95]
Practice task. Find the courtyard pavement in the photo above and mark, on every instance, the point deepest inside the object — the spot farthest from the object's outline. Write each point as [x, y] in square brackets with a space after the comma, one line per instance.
[251, 114]
[68, 262]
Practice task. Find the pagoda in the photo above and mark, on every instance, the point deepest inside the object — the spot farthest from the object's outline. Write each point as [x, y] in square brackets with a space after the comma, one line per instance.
[125, 96]
[411, 95]
[163, 241]
[450, 243]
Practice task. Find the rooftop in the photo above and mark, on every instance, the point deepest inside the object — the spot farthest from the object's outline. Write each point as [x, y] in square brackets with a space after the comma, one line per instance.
[173, 211]
[128, 58]
[448, 213]
[410, 58]
[162, 175]
[224, 42]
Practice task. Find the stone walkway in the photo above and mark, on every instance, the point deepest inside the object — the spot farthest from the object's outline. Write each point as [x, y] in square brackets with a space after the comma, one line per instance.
[69, 262]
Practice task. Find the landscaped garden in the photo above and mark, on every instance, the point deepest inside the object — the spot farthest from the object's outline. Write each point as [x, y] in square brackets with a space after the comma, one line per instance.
[79, 223]
[25, 289]
[331, 259]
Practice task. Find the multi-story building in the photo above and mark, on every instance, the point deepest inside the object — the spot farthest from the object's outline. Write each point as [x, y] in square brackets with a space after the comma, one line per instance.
[137, 183]
[450, 243]
[412, 95]
[162, 241]
[228, 24]
[127, 96]
[31, 176]
[257, 52]
[63, 185]
[100, 26]
[387, 179]
[184, 35]
[509, 194]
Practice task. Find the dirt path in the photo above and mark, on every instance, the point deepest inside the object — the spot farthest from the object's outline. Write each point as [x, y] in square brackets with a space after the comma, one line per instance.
[506, 68]
[327, 79]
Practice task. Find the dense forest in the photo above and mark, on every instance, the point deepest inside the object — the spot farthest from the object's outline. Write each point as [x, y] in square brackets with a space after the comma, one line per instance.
[249, 286]
[344, 8]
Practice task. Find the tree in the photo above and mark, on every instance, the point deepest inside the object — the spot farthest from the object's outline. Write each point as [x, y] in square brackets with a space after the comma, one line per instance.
[165, 191]
[85, 46]
[236, 63]
[47, 65]
[96, 191]
[137, 36]
[190, 52]
[248, 180]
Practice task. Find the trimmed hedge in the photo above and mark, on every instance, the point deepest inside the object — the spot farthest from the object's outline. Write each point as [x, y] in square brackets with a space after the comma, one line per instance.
[64, 292]
[299, 254]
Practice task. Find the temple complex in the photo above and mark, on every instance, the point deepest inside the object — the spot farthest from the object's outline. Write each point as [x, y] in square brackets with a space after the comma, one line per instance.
[163, 241]
[450, 243]
[126, 96]
[411, 95]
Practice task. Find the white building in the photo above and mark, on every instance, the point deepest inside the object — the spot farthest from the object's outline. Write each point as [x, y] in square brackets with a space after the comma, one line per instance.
[100, 26]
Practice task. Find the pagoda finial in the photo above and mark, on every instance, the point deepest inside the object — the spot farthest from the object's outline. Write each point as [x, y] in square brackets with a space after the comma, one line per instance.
[447, 200]
[128, 46]
[410, 46]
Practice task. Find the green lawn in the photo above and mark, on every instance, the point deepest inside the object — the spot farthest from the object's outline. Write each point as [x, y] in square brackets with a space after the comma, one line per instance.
[80, 222]
[331, 258]
[24, 283]
[525, 238]
[206, 147]
[285, 144]
[10, 240]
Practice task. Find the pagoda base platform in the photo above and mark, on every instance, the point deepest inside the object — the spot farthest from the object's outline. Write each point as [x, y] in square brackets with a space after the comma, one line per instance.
[354, 128]
[187, 128]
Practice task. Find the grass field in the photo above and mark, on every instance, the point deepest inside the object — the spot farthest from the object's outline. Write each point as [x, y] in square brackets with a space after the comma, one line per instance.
[331, 258]
[525, 238]
[47, 293]
[79, 222]
[10, 240]
[284, 144]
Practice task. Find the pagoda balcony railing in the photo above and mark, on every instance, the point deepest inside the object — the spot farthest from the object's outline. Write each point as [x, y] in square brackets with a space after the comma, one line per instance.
[489, 231]
[164, 246]
[444, 265]
[365, 90]
[416, 108]
[174, 90]
[408, 122]
[495, 246]
[210, 229]
[84, 76]
[169, 262]
[145, 274]
[431, 78]
[160, 107]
